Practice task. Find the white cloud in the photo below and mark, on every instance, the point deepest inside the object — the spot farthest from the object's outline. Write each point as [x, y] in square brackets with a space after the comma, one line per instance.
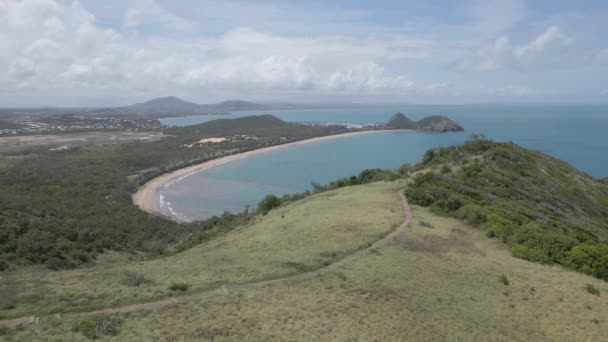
[148, 13]
[551, 37]
[59, 49]
[502, 54]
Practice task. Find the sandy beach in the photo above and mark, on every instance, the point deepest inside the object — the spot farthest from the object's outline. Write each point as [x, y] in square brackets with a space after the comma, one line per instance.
[147, 196]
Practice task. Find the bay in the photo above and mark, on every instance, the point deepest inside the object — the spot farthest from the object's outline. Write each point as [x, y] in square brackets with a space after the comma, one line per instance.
[574, 133]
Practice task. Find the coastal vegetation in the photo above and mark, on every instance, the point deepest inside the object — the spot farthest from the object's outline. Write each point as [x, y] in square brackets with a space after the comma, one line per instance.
[481, 209]
[542, 208]
[63, 209]
[438, 283]
[297, 237]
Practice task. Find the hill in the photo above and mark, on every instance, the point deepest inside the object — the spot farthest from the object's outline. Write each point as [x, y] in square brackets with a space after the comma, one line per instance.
[400, 121]
[174, 106]
[170, 104]
[429, 124]
[542, 208]
[440, 279]
[237, 105]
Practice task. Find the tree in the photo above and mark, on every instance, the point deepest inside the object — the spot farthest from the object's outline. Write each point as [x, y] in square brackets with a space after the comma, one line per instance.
[268, 203]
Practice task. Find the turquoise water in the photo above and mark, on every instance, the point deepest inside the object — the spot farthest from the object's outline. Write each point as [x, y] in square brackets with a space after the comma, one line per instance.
[576, 134]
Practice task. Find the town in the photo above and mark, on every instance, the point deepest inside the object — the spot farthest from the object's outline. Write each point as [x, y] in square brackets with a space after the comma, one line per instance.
[75, 123]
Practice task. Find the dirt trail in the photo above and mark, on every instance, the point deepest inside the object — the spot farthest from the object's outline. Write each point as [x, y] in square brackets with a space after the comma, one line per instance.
[227, 288]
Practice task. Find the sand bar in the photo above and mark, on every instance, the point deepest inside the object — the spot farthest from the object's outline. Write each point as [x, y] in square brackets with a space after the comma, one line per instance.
[147, 196]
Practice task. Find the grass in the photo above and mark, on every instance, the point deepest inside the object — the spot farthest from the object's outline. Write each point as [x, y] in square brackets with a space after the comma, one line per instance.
[592, 289]
[316, 231]
[428, 284]
[179, 286]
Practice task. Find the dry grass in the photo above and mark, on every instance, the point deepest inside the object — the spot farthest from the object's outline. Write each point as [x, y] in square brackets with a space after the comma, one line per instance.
[302, 236]
[446, 288]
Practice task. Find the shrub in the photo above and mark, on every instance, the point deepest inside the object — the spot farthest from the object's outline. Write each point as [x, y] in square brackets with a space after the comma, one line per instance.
[98, 327]
[590, 259]
[426, 224]
[472, 213]
[268, 203]
[592, 289]
[179, 286]
[503, 279]
[130, 278]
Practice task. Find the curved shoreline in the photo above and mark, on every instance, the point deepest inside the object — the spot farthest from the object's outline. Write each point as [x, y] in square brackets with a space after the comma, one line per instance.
[147, 197]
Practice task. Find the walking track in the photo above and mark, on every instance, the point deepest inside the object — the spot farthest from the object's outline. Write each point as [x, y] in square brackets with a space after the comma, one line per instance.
[407, 211]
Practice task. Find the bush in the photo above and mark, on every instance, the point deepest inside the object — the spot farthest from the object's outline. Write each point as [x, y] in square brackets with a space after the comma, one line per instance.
[590, 259]
[98, 327]
[268, 203]
[426, 224]
[132, 279]
[473, 214]
[592, 289]
[179, 286]
[503, 279]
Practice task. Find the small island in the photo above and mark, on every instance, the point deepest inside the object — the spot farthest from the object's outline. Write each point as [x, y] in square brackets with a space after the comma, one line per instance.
[433, 123]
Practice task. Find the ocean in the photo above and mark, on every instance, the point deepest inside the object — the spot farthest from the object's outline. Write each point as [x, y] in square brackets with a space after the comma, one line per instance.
[574, 133]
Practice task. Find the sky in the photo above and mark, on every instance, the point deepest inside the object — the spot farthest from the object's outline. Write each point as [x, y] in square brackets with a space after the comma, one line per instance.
[115, 52]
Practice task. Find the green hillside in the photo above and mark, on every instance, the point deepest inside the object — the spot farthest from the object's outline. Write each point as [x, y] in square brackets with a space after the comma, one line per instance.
[438, 280]
[543, 208]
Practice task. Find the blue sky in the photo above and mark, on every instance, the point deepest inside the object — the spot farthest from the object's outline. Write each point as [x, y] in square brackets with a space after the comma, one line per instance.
[55, 52]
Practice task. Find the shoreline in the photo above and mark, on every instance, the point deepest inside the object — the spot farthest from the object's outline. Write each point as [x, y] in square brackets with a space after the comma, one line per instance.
[148, 196]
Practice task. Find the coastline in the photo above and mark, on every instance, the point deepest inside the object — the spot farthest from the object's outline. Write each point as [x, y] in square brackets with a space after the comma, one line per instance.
[147, 197]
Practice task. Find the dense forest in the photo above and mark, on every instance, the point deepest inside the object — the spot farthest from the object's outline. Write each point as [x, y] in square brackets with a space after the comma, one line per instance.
[63, 208]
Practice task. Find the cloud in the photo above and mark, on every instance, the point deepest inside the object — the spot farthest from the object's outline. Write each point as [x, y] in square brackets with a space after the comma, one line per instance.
[502, 54]
[551, 37]
[55, 48]
[147, 13]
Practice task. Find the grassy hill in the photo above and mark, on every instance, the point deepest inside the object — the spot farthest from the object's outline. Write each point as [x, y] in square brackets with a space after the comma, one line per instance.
[296, 238]
[439, 280]
[461, 270]
[543, 208]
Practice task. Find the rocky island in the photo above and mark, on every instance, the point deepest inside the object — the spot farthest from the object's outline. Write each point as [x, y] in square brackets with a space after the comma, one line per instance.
[433, 123]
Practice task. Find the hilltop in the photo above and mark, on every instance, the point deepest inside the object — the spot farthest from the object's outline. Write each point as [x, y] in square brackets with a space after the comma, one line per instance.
[544, 209]
[429, 124]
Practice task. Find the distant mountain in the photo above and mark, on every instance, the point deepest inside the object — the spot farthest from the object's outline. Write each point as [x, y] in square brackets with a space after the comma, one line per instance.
[434, 123]
[236, 105]
[174, 106]
[168, 104]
